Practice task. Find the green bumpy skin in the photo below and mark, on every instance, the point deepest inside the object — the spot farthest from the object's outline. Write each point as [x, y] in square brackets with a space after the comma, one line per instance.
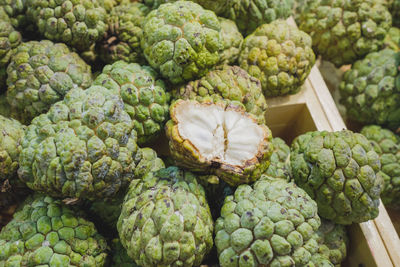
[122, 41]
[108, 211]
[77, 23]
[280, 56]
[392, 39]
[40, 74]
[333, 242]
[370, 90]
[227, 83]
[248, 15]
[279, 166]
[341, 172]
[321, 260]
[16, 11]
[217, 6]
[83, 147]
[119, 256]
[46, 232]
[181, 40]
[232, 40]
[387, 146]
[271, 223]
[343, 31]
[144, 95]
[165, 220]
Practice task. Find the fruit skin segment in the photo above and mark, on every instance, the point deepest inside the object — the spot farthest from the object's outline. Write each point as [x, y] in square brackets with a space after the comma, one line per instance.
[341, 172]
[187, 155]
[165, 220]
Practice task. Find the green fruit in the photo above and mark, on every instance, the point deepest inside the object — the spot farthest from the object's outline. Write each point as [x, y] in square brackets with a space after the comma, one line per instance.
[248, 15]
[229, 83]
[370, 90]
[144, 95]
[119, 256]
[84, 147]
[232, 40]
[279, 166]
[16, 11]
[320, 260]
[270, 224]
[165, 220]
[77, 23]
[218, 138]
[122, 40]
[108, 211]
[341, 171]
[344, 31]
[279, 55]
[182, 40]
[392, 39]
[40, 74]
[333, 242]
[45, 232]
[387, 145]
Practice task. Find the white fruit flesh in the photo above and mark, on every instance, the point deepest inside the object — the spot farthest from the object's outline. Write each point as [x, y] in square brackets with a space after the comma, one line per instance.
[225, 136]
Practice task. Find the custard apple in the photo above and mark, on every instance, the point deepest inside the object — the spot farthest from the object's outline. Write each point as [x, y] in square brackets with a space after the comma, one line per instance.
[41, 73]
[84, 147]
[165, 220]
[370, 90]
[108, 211]
[77, 23]
[279, 166]
[232, 40]
[229, 83]
[344, 31]
[279, 55]
[392, 39]
[341, 171]
[16, 11]
[122, 40]
[218, 138]
[333, 242]
[144, 95]
[119, 256]
[271, 223]
[46, 232]
[182, 40]
[387, 146]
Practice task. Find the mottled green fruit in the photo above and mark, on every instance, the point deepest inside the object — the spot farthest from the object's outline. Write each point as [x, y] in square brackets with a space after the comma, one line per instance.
[108, 211]
[83, 147]
[341, 172]
[227, 83]
[249, 14]
[370, 90]
[387, 146]
[165, 220]
[271, 223]
[344, 31]
[16, 11]
[144, 95]
[77, 23]
[181, 40]
[333, 242]
[320, 260]
[40, 74]
[122, 41]
[218, 138]
[119, 256]
[45, 232]
[232, 40]
[392, 39]
[9, 39]
[279, 166]
[280, 56]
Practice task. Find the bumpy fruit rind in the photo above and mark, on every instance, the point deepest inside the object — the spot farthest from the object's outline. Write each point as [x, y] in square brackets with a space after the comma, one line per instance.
[341, 171]
[181, 40]
[279, 166]
[144, 95]
[344, 31]
[47, 232]
[270, 224]
[166, 220]
[279, 55]
[83, 147]
[232, 40]
[227, 83]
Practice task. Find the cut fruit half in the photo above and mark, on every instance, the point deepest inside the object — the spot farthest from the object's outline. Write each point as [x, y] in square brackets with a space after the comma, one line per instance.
[219, 138]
